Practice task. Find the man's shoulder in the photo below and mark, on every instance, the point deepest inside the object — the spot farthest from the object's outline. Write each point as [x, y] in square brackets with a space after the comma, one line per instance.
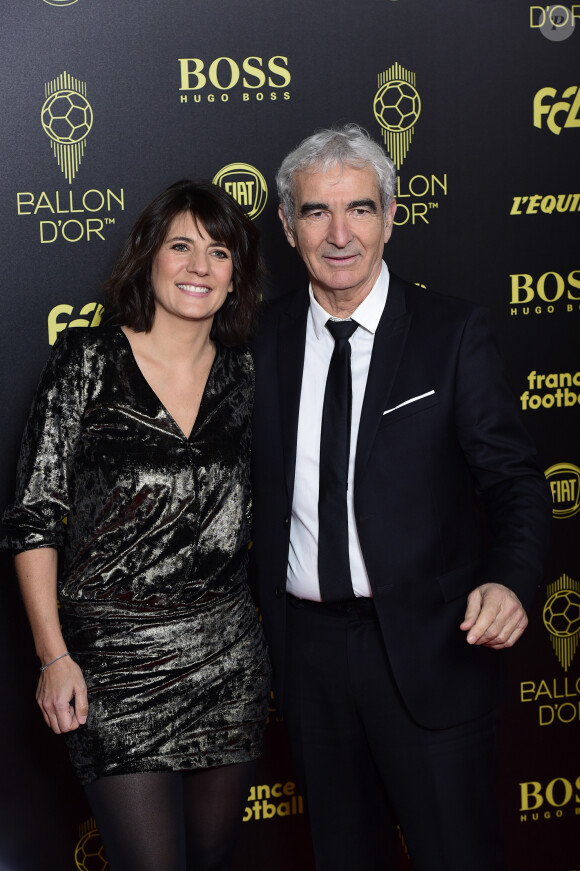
[276, 309]
[431, 302]
[293, 301]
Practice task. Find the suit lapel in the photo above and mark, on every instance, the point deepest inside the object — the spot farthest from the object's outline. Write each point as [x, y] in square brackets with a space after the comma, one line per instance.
[388, 347]
[291, 345]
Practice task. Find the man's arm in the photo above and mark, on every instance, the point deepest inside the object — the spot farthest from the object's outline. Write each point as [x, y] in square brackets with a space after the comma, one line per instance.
[512, 488]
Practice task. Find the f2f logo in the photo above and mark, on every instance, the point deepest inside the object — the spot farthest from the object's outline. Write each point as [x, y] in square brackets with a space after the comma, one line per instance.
[563, 110]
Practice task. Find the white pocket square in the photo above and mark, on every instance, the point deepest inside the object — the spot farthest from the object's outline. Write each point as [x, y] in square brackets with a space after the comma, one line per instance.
[407, 401]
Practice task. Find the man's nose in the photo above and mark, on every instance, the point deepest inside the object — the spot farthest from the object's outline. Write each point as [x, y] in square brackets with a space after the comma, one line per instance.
[339, 233]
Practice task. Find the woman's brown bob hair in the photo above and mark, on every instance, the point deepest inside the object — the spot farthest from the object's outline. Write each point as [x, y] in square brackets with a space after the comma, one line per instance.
[129, 293]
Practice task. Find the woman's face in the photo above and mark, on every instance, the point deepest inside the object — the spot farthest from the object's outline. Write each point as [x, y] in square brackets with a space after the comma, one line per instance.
[192, 273]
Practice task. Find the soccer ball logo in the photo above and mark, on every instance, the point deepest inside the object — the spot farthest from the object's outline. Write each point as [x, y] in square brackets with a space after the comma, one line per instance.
[67, 117]
[90, 853]
[562, 614]
[397, 106]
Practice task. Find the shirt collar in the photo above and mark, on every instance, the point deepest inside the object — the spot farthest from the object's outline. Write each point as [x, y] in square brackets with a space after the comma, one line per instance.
[368, 313]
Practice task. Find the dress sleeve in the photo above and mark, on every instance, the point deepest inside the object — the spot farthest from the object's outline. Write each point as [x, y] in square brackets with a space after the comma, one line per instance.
[35, 518]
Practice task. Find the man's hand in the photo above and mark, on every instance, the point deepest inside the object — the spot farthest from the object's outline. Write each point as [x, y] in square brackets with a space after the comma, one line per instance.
[494, 617]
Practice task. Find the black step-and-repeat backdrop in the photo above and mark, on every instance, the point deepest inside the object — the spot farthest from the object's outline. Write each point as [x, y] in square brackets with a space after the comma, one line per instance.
[104, 103]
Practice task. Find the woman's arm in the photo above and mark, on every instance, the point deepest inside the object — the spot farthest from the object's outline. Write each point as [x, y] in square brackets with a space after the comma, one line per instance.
[62, 683]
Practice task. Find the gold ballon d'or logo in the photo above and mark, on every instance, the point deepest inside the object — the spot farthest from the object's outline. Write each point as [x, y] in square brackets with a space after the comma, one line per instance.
[397, 107]
[562, 618]
[89, 852]
[246, 185]
[67, 118]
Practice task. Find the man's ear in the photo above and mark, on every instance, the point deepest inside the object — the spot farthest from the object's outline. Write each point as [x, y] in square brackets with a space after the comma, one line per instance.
[287, 230]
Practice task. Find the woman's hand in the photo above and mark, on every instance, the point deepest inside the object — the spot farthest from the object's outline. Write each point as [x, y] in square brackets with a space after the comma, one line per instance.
[62, 696]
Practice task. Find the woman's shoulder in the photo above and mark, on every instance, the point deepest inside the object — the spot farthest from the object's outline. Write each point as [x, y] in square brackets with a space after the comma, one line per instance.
[237, 363]
[76, 342]
[80, 351]
[237, 356]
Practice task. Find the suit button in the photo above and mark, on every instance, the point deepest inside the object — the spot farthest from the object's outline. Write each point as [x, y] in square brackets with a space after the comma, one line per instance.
[286, 522]
[279, 592]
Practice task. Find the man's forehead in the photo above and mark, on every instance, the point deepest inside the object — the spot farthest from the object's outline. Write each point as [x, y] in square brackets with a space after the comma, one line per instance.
[355, 182]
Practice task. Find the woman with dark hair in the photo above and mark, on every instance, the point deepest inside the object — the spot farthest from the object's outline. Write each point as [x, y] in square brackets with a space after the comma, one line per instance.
[139, 438]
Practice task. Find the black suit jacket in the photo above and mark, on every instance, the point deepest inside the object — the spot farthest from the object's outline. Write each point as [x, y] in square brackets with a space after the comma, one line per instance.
[447, 492]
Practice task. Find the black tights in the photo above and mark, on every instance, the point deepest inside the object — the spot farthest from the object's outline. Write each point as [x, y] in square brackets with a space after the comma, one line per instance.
[171, 821]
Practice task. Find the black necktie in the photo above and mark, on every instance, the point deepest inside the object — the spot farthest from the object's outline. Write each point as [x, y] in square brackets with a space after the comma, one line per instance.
[333, 561]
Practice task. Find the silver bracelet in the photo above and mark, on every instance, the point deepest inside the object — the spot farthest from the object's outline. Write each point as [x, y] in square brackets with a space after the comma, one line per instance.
[42, 667]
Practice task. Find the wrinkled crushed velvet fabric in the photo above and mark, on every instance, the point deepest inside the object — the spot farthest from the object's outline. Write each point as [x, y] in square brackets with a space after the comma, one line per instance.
[154, 602]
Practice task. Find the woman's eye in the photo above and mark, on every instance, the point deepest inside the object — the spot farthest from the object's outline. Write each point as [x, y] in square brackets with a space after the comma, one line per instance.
[220, 254]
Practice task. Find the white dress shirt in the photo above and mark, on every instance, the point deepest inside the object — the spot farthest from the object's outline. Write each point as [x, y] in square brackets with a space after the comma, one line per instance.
[302, 578]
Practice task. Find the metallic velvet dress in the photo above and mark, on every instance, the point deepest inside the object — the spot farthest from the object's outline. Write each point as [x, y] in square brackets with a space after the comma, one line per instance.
[155, 607]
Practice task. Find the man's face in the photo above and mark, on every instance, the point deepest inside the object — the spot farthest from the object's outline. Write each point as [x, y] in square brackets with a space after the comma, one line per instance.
[340, 231]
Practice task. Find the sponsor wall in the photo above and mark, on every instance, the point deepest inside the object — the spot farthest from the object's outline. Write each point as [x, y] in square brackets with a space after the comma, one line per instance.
[104, 104]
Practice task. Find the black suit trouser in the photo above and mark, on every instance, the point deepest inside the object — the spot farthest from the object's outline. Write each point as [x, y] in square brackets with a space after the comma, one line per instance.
[365, 766]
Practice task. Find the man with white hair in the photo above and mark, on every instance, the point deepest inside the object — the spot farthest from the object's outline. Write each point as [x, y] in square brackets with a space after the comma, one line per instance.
[384, 432]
